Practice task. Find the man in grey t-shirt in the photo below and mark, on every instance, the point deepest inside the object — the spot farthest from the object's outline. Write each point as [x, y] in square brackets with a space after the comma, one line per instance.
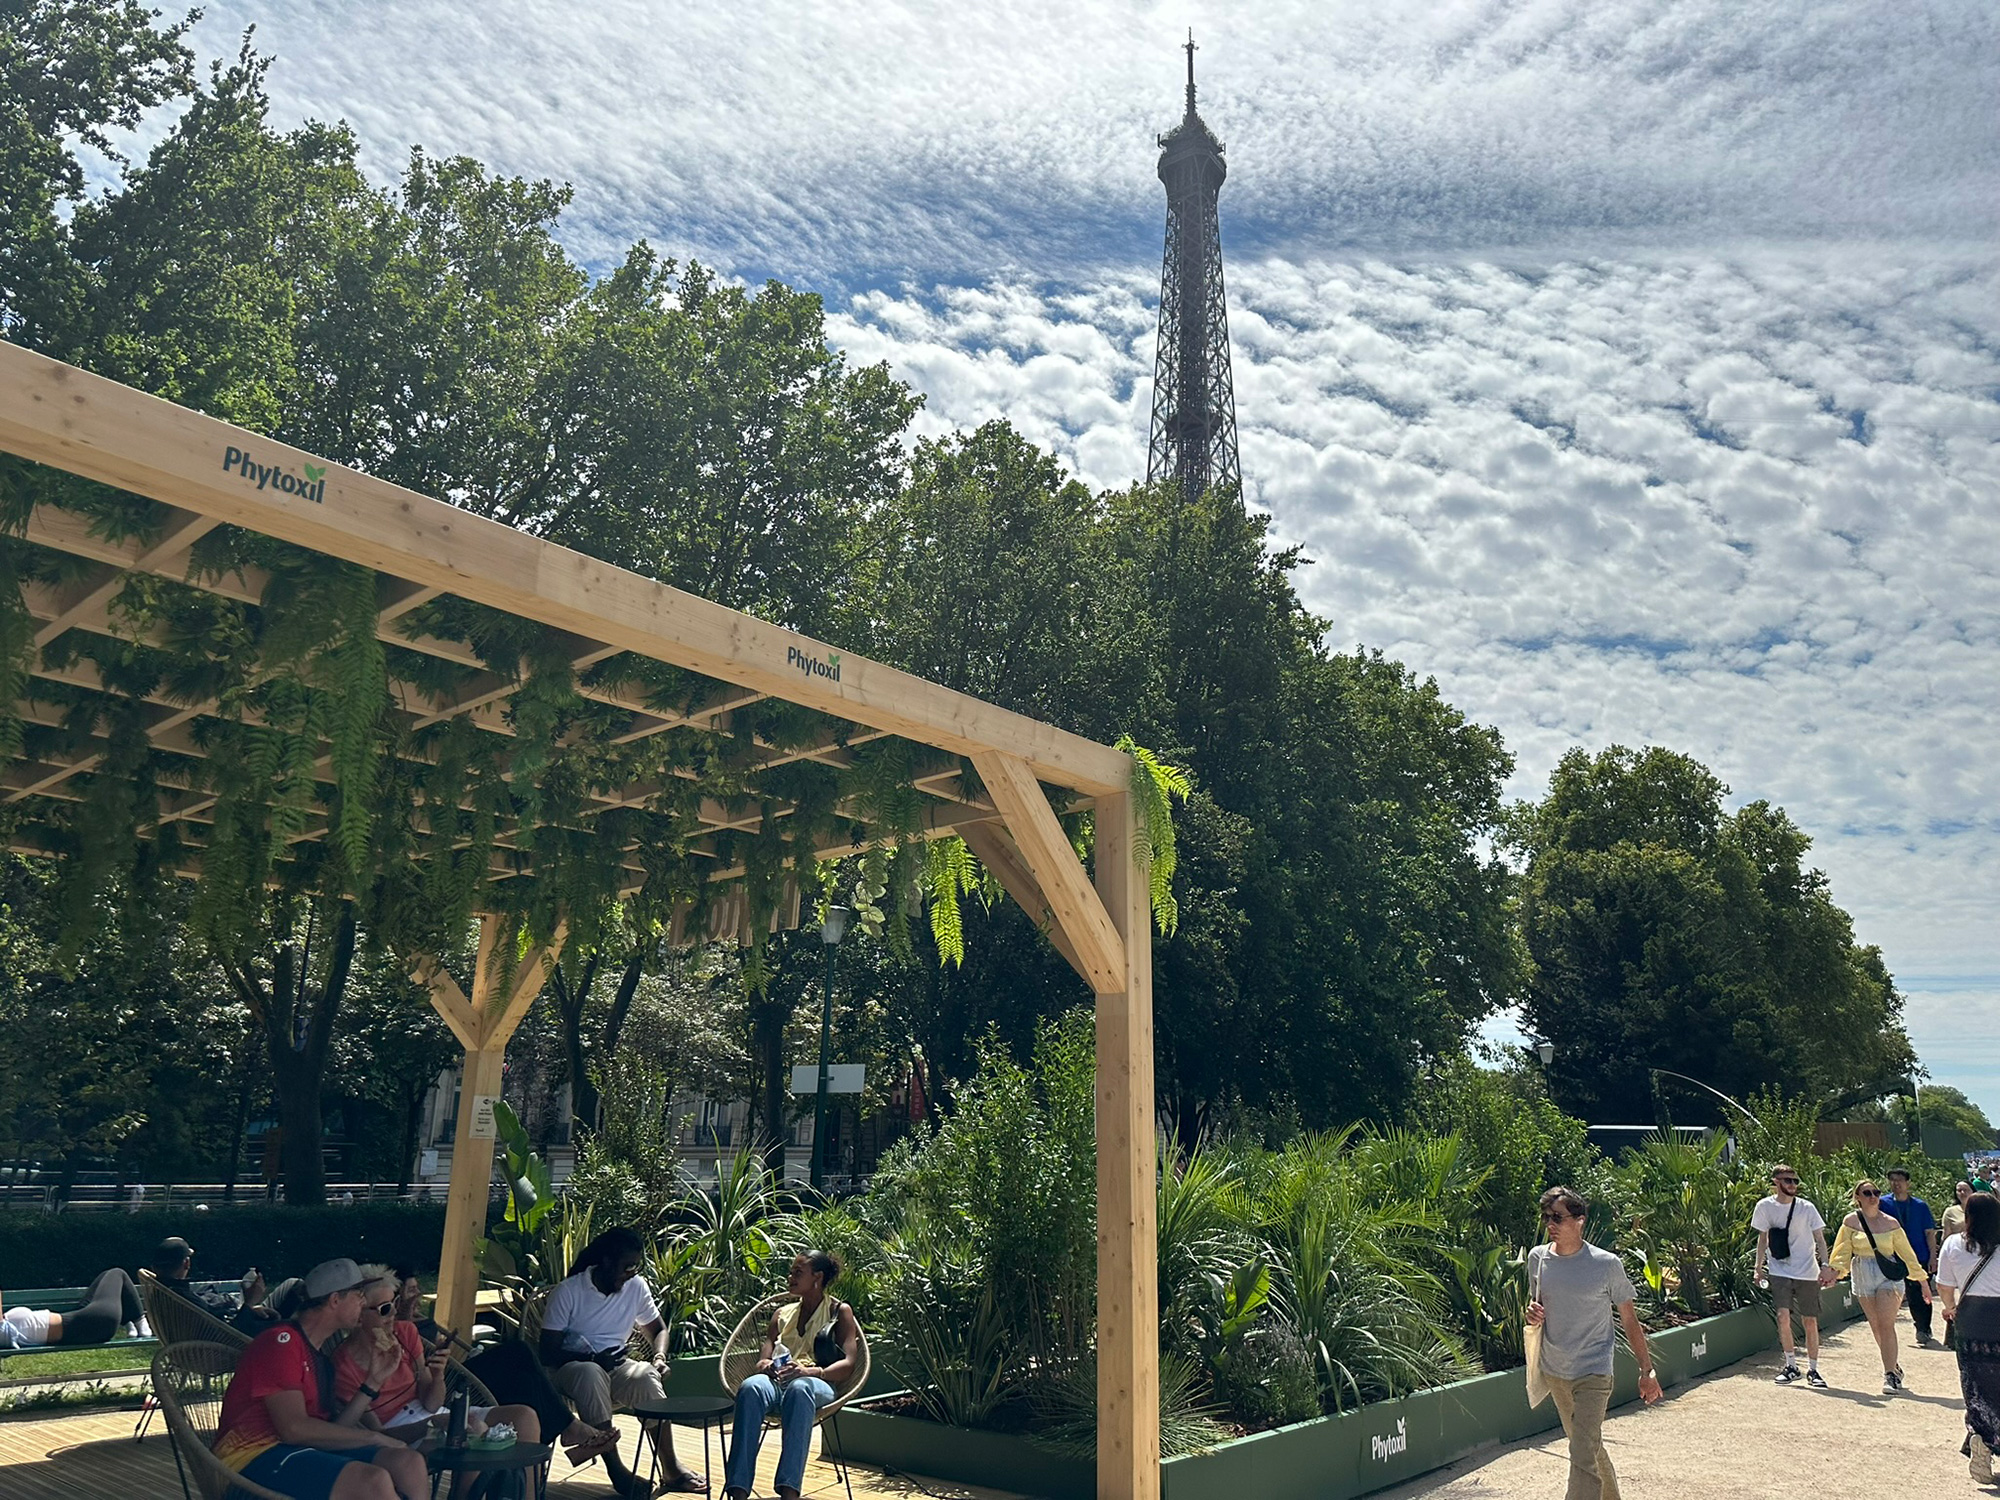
[1576, 1287]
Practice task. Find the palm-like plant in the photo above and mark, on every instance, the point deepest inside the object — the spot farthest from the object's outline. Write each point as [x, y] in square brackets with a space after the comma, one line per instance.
[1690, 1212]
[1349, 1280]
[1202, 1235]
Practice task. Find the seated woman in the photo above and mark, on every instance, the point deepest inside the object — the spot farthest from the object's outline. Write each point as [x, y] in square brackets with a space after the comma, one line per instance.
[511, 1371]
[809, 1351]
[111, 1303]
[385, 1379]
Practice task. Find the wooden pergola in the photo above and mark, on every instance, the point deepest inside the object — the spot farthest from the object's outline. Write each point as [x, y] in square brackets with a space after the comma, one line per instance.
[206, 475]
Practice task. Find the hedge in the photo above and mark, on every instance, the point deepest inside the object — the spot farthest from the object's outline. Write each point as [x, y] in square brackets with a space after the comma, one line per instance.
[45, 1249]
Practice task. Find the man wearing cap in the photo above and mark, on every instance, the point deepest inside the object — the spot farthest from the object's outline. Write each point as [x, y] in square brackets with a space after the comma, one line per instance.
[172, 1263]
[280, 1424]
[1920, 1224]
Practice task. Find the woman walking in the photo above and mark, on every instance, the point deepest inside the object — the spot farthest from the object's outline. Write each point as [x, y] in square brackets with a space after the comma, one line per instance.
[1872, 1247]
[1971, 1287]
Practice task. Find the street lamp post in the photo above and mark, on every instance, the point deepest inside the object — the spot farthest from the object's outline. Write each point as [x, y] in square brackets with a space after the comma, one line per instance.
[831, 930]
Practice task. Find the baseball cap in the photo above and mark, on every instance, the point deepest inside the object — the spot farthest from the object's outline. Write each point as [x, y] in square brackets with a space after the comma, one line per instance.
[171, 1252]
[330, 1276]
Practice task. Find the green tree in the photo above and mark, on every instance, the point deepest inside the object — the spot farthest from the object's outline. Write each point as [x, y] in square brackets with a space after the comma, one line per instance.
[1666, 933]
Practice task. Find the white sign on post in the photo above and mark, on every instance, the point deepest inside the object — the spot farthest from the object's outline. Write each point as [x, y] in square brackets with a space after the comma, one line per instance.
[484, 1127]
[841, 1078]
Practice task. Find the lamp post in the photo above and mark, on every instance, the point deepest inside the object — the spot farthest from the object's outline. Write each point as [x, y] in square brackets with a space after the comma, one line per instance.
[831, 929]
[1546, 1051]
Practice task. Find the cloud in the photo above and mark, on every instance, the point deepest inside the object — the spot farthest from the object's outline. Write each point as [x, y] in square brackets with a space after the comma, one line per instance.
[1741, 505]
[1633, 369]
[856, 144]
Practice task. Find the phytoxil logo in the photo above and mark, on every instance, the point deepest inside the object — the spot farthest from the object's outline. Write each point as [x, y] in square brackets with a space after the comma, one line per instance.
[1383, 1448]
[1700, 1349]
[812, 666]
[272, 477]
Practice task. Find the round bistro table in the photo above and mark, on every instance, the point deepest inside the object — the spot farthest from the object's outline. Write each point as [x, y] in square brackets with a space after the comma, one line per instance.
[687, 1411]
[513, 1461]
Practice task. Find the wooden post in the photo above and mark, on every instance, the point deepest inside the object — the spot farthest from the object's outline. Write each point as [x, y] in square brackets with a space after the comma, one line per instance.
[1128, 1316]
[483, 1024]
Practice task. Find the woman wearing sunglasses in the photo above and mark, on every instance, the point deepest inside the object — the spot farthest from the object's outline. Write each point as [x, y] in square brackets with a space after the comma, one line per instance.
[1874, 1246]
[386, 1361]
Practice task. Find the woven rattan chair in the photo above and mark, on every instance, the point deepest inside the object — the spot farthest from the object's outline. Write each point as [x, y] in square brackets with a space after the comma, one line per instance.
[188, 1382]
[175, 1320]
[745, 1348]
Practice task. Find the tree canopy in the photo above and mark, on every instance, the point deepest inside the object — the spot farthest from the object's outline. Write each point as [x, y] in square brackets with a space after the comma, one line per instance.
[1663, 932]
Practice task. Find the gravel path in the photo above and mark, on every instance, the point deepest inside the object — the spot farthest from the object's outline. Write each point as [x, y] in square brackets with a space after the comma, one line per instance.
[1736, 1436]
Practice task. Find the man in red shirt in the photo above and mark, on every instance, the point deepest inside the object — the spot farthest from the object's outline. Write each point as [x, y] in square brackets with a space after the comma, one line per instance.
[280, 1426]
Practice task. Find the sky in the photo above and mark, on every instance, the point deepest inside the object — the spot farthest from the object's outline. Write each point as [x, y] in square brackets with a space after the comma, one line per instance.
[1633, 370]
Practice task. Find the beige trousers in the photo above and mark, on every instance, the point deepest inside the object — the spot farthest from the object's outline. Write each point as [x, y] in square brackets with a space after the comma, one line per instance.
[1581, 1404]
[596, 1392]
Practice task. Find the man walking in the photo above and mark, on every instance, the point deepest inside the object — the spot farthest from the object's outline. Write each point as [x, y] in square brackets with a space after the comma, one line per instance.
[1791, 1248]
[1576, 1288]
[1921, 1226]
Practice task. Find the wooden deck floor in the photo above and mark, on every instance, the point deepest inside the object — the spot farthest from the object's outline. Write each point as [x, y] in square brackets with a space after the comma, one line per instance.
[92, 1457]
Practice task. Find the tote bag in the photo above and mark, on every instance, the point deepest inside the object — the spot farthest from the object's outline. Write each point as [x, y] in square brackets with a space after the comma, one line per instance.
[1531, 1345]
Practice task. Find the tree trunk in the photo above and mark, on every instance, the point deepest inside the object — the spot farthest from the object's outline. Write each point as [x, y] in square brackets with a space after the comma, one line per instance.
[236, 1141]
[297, 1022]
[413, 1109]
[571, 1001]
[770, 1018]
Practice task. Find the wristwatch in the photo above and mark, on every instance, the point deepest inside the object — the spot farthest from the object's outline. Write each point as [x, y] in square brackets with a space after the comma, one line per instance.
[370, 1392]
[1647, 1375]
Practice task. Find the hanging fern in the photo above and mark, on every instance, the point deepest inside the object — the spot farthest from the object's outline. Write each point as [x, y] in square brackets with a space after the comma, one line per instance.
[1156, 786]
[953, 872]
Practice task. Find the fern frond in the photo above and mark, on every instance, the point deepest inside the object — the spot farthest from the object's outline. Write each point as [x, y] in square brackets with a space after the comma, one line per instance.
[1155, 787]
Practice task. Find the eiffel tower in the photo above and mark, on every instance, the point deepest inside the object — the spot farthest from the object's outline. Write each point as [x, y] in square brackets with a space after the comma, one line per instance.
[1194, 399]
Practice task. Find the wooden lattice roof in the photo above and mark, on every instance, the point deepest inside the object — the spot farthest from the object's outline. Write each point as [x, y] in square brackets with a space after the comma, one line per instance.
[692, 711]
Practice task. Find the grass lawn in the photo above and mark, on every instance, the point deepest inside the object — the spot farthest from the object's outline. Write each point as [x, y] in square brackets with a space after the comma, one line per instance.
[64, 1363]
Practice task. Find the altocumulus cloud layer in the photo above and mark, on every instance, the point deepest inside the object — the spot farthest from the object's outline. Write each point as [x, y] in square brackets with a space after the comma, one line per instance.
[1741, 505]
[844, 141]
[1634, 369]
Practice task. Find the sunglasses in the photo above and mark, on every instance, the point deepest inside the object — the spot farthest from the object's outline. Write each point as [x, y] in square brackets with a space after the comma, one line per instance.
[1870, 1193]
[1786, 1181]
[1556, 1218]
[384, 1309]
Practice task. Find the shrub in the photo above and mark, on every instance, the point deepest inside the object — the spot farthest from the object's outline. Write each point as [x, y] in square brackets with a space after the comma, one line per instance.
[43, 1249]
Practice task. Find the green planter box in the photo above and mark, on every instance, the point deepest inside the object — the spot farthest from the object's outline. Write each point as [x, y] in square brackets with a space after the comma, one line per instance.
[1000, 1460]
[1330, 1458]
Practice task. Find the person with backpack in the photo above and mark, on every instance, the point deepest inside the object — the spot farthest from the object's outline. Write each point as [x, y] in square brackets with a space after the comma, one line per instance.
[1970, 1285]
[1791, 1248]
[1872, 1246]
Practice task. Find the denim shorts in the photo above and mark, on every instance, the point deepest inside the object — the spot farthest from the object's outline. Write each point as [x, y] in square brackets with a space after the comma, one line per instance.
[303, 1473]
[1869, 1280]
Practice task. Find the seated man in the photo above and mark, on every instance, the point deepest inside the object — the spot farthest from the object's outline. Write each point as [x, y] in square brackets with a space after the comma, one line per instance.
[173, 1262]
[585, 1328]
[279, 1427]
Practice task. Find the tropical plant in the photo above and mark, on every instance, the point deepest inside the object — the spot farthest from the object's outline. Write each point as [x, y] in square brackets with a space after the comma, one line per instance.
[1689, 1209]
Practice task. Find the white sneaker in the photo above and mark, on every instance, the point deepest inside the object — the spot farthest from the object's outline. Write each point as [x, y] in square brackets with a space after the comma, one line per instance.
[1982, 1460]
[145, 1329]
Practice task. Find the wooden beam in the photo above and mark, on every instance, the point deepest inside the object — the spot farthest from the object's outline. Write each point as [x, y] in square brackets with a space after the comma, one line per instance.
[483, 1022]
[991, 844]
[1012, 785]
[1128, 1313]
[57, 414]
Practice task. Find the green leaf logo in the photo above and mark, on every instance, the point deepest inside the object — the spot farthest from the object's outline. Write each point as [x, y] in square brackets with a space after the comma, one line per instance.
[315, 473]
[833, 659]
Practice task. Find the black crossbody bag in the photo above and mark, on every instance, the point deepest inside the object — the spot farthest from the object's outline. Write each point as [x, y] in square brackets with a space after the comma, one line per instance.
[1781, 1236]
[1891, 1266]
[1976, 1318]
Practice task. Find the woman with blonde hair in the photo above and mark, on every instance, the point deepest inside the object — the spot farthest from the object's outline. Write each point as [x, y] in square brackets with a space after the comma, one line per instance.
[1872, 1247]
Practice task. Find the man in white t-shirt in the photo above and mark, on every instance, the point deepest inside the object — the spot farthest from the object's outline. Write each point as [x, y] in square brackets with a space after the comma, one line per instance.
[1786, 1222]
[587, 1328]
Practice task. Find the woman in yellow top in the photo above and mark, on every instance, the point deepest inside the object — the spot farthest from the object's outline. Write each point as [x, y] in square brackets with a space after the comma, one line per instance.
[1864, 1234]
[809, 1352]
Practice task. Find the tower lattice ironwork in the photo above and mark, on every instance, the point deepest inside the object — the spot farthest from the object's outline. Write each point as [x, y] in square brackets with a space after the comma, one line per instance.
[1194, 397]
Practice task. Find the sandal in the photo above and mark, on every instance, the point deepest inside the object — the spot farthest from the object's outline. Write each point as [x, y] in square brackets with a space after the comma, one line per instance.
[687, 1482]
[593, 1448]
